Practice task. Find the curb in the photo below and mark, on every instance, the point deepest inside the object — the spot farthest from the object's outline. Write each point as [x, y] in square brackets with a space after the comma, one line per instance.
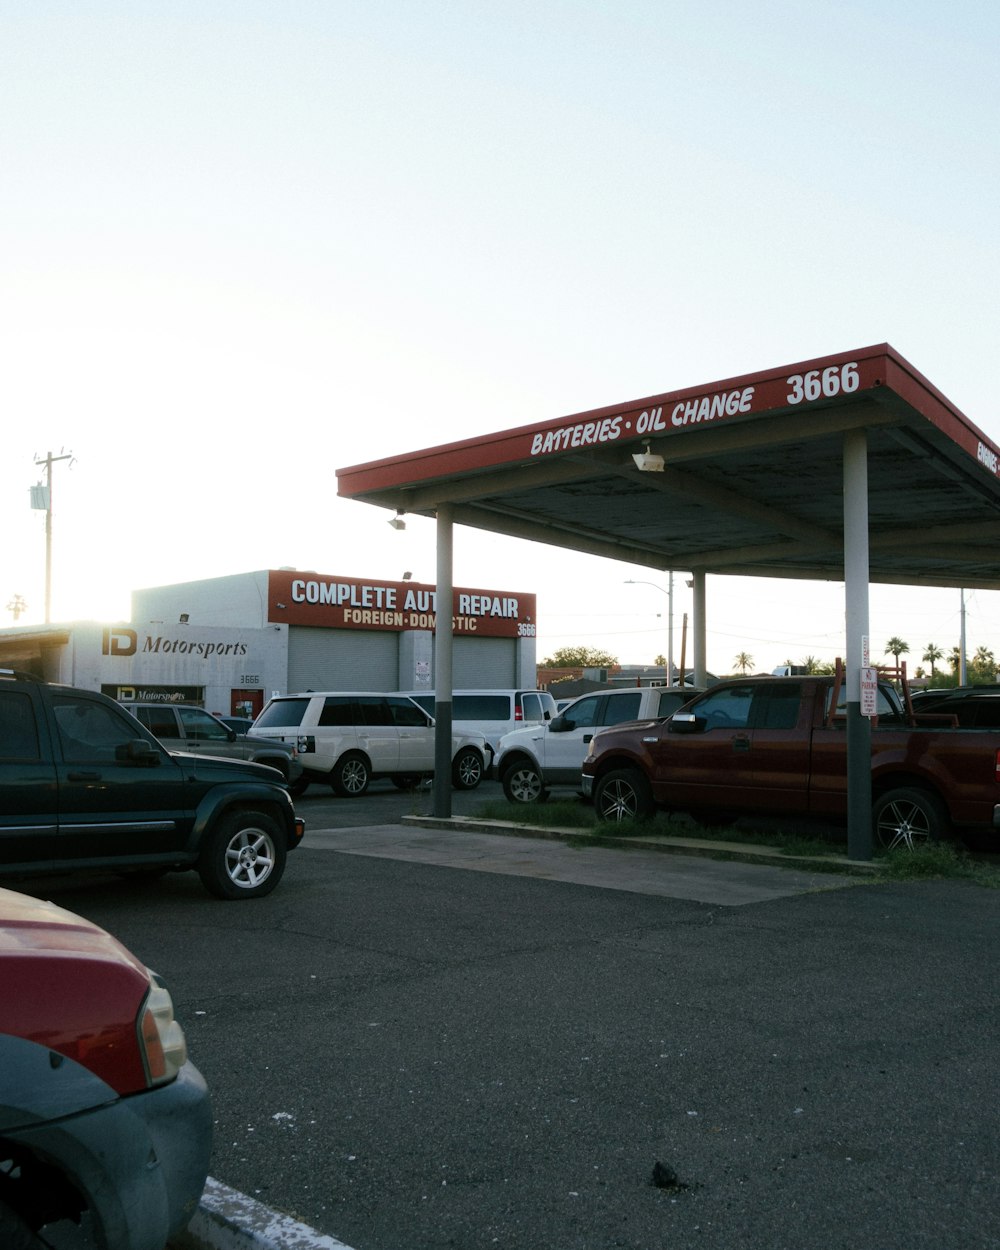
[705, 847]
[229, 1220]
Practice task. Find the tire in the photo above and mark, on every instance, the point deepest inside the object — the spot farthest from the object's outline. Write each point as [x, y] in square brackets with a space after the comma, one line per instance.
[298, 788]
[623, 794]
[908, 817]
[243, 856]
[14, 1233]
[351, 776]
[405, 781]
[522, 783]
[467, 769]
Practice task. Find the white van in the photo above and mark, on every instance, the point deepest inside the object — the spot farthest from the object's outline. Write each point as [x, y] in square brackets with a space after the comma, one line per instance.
[491, 712]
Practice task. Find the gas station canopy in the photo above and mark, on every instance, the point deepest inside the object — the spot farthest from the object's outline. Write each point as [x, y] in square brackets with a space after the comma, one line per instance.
[741, 476]
[849, 468]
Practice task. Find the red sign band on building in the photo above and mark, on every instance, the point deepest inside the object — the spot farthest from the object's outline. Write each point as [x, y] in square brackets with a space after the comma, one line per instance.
[333, 602]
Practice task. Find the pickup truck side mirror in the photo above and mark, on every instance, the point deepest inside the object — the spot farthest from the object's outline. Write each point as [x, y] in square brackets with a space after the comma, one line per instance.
[686, 723]
[559, 724]
[139, 752]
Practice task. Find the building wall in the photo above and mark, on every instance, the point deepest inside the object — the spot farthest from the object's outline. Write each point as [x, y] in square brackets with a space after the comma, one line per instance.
[227, 641]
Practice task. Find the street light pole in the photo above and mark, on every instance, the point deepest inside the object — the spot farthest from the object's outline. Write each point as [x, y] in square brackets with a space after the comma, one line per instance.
[669, 592]
[49, 461]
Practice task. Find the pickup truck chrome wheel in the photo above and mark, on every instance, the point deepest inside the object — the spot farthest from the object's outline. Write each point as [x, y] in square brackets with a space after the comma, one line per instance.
[623, 794]
[243, 857]
[522, 783]
[908, 818]
[467, 769]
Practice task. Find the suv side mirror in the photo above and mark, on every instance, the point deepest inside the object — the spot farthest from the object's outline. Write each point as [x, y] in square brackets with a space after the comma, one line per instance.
[139, 752]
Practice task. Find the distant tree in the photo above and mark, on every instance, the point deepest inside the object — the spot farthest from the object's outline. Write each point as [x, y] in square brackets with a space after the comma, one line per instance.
[660, 661]
[579, 657]
[811, 664]
[931, 655]
[896, 647]
[744, 663]
[983, 665]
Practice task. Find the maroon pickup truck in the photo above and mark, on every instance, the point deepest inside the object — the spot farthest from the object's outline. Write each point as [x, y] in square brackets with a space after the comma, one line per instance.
[776, 746]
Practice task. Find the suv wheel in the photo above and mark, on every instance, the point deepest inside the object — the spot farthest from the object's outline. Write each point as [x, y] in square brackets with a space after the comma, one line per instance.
[350, 776]
[243, 856]
[467, 769]
[522, 783]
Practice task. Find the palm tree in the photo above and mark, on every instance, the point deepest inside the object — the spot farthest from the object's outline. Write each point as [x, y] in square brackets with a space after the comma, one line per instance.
[932, 654]
[744, 663]
[984, 664]
[896, 647]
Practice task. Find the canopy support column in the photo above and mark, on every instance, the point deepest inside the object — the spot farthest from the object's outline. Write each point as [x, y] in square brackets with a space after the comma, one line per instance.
[856, 575]
[443, 680]
[700, 630]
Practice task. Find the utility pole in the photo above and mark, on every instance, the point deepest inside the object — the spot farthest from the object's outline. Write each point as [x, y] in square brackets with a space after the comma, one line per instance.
[44, 500]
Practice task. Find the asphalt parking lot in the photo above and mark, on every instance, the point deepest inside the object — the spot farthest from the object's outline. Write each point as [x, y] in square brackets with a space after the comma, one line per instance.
[415, 1054]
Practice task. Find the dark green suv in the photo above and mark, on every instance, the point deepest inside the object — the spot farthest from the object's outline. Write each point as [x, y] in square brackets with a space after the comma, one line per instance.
[84, 785]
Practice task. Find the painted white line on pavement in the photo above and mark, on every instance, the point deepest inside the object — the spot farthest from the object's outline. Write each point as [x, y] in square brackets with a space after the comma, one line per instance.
[229, 1220]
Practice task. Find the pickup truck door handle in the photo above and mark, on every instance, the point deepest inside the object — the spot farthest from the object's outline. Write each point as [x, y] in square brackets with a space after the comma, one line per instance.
[741, 742]
[84, 776]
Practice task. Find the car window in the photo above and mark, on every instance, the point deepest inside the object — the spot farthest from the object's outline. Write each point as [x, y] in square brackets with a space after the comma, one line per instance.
[536, 707]
[282, 712]
[89, 731]
[778, 706]
[583, 711]
[18, 731]
[338, 711]
[199, 724]
[884, 705]
[374, 710]
[668, 701]
[406, 713]
[621, 707]
[158, 720]
[480, 707]
[726, 709]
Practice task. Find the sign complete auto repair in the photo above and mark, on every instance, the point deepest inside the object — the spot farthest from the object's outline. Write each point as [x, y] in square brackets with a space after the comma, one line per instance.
[229, 643]
[406, 606]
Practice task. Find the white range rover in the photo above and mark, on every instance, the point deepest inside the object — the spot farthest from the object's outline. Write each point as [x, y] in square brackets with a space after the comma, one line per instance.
[347, 739]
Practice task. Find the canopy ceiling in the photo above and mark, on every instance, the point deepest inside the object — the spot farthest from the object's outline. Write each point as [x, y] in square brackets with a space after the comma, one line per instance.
[752, 479]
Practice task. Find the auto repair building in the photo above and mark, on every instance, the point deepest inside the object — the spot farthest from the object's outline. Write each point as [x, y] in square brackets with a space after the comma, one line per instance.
[229, 643]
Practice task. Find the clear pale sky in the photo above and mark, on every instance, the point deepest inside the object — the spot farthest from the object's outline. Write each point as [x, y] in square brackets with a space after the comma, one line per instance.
[246, 244]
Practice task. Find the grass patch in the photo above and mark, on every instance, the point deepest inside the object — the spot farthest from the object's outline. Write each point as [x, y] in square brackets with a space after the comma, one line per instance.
[575, 814]
[562, 813]
[936, 860]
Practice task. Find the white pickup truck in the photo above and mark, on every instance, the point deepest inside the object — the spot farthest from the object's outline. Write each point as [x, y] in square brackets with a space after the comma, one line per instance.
[531, 760]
